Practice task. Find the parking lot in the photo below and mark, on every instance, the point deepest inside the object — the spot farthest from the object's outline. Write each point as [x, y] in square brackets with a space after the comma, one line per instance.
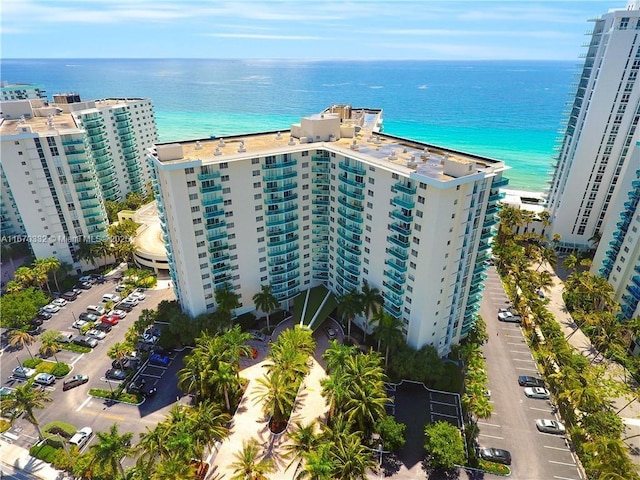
[512, 426]
[74, 405]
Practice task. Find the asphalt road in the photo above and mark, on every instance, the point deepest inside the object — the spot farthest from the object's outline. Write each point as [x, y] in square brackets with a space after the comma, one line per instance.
[75, 406]
[535, 455]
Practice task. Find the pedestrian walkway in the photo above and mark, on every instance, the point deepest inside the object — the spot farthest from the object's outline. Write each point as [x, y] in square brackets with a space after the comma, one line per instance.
[18, 458]
[629, 410]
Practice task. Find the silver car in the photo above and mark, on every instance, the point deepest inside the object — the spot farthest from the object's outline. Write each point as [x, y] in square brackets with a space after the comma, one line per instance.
[44, 379]
[550, 426]
[537, 392]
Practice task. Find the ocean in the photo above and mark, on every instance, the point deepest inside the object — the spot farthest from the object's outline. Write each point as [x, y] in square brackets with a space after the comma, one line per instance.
[508, 110]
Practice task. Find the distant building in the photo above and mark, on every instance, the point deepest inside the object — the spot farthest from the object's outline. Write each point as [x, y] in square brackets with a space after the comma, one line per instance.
[618, 255]
[20, 91]
[601, 131]
[60, 161]
[332, 202]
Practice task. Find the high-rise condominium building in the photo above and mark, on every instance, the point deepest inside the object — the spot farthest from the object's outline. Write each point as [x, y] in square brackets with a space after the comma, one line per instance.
[601, 130]
[20, 91]
[61, 160]
[618, 255]
[332, 202]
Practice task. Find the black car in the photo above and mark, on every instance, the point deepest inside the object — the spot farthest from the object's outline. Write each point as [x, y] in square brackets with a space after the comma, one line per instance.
[115, 374]
[88, 317]
[99, 279]
[44, 315]
[139, 385]
[69, 296]
[527, 381]
[36, 322]
[495, 455]
[126, 306]
[103, 327]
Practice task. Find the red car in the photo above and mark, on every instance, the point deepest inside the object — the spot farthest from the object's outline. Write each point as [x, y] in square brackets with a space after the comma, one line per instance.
[109, 320]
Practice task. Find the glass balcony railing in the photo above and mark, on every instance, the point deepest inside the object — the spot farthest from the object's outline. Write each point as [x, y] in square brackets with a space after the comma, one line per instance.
[286, 251]
[348, 237]
[280, 163]
[211, 189]
[352, 259]
[218, 247]
[405, 188]
[350, 204]
[348, 266]
[350, 226]
[398, 253]
[284, 241]
[277, 221]
[283, 259]
[395, 276]
[275, 177]
[404, 202]
[280, 188]
[276, 199]
[400, 242]
[400, 228]
[212, 175]
[351, 181]
[275, 231]
[352, 169]
[215, 236]
[280, 209]
[213, 213]
[351, 193]
[285, 268]
[404, 216]
[400, 267]
[320, 221]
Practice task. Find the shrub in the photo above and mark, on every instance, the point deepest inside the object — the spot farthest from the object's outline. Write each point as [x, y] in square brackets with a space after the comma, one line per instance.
[31, 362]
[60, 369]
[119, 397]
[4, 425]
[72, 347]
[60, 428]
[393, 433]
[44, 452]
[491, 467]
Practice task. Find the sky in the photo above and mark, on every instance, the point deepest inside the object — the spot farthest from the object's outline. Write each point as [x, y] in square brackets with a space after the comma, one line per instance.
[310, 29]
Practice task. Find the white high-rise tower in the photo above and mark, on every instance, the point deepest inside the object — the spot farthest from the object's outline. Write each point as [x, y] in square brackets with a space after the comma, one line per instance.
[601, 130]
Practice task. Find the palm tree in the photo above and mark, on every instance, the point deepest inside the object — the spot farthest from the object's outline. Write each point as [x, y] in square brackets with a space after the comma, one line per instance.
[352, 459]
[42, 267]
[49, 344]
[227, 300]
[102, 249]
[152, 446]
[266, 301]
[173, 467]
[209, 423]
[225, 378]
[22, 339]
[318, 465]
[336, 356]
[247, 466]
[110, 450]
[124, 251]
[348, 307]
[87, 252]
[388, 331]
[371, 301]
[118, 351]
[25, 276]
[26, 399]
[303, 441]
[277, 395]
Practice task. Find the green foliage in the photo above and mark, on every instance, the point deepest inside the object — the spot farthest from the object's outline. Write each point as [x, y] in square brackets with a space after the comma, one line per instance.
[491, 467]
[122, 396]
[17, 309]
[424, 365]
[113, 208]
[61, 428]
[4, 425]
[60, 369]
[31, 362]
[247, 321]
[44, 452]
[393, 434]
[72, 347]
[444, 445]
[134, 200]
[604, 423]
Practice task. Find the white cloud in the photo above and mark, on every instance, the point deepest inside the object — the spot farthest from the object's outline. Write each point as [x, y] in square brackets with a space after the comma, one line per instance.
[260, 36]
[476, 33]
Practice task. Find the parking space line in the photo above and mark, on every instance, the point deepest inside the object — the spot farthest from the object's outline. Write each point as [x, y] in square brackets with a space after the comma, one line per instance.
[490, 436]
[563, 463]
[516, 343]
[83, 404]
[518, 351]
[557, 448]
[540, 409]
[489, 424]
[563, 478]
[527, 369]
[522, 360]
[152, 376]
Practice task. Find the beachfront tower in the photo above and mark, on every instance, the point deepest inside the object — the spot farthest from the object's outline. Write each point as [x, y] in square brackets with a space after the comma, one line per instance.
[601, 131]
[331, 202]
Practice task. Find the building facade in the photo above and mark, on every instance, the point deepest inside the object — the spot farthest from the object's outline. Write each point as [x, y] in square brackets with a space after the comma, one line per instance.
[20, 91]
[618, 255]
[60, 161]
[601, 130]
[331, 202]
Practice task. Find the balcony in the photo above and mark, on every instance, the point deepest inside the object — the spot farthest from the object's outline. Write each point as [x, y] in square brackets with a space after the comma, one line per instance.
[280, 188]
[283, 259]
[289, 248]
[211, 200]
[321, 267]
[349, 216]
[348, 266]
[277, 243]
[213, 213]
[503, 182]
[320, 180]
[279, 210]
[394, 287]
[218, 247]
[215, 225]
[353, 169]
[351, 193]
[402, 229]
[275, 177]
[271, 232]
[353, 228]
[404, 202]
[392, 299]
[284, 269]
[399, 254]
[320, 168]
[219, 257]
[408, 189]
[321, 201]
[347, 284]
[211, 175]
[321, 231]
[398, 266]
[276, 199]
[352, 259]
[321, 159]
[215, 236]
[210, 189]
[400, 242]
[319, 221]
[403, 215]
[354, 183]
[275, 222]
[280, 163]
[352, 205]
[395, 276]
[349, 237]
[322, 191]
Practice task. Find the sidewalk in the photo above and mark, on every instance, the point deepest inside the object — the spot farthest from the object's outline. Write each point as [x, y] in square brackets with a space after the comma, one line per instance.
[630, 415]
[18, 458]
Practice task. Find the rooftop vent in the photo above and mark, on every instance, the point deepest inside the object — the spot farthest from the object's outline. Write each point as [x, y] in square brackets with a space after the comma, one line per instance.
[221, 142]
[354, 145]
[425, 154]
[217, 151]
[291, 141]
[332, 138]
[393, 155]
[241, 148]
[198, 146]
[278, 136]
[377, 141]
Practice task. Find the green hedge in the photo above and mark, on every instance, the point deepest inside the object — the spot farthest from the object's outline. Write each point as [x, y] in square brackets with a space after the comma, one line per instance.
[45, 366]
[65, 429]
[31, 362]
[44, 452]
[72, 347]
[119, 397]
[491, 467]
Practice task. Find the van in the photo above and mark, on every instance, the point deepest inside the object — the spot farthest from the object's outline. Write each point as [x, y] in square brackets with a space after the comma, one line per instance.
[65, 337]
[96, 309]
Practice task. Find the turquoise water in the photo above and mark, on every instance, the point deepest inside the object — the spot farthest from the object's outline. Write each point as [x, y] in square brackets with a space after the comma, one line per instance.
[508, 110]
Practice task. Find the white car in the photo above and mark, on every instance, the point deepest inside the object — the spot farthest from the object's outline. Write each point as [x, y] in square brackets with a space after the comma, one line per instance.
[111, 297]
[119, 313]
[81, 437]
[24, 372]
[51, 308]
[61, 302]
[121, 288]
[138, 294]
[79, 324]
[550, 426]
[537, 392]
[44, 379]
[97, 334]
[133, 300]
[149, 339]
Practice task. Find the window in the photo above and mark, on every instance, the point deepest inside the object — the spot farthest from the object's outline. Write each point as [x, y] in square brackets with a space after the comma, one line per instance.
[193, 196]
[191, 183]
[419, 213]
[260, 229]
[224, 165]
[198, 233]
[421, 199]
[224, 178]
[197, 221]
[195, 209]
[188, 170]
[202, 255]
[256, 185]
[227, 202]
[255, 161]
[226, 190]
[256, 173]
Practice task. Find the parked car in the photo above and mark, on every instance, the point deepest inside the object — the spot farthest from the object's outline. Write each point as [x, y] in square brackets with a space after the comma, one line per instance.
[44, 379]
[102, 327]
[74, 381]
[51, 308]
[86, 279]
[115, 374]
[137, 294]
[550, 426]
[157, 359]
[88, 317]
[119, 313]
[85, 341]
[23, 372]
[111, 297]
[133, 300]
[121, 288]
[537, 392]
[331, 333]
[97, 278]
[148, 338]
[83, 286]
[527, 381]
[126, 306]
[97, 334]
[96, 309]
[509, 317]
[495, 455]
[36, 322]
[61, 302]
[69, 296]
[139, 385]
[65, 337]
[44, 315]
[79, 324]
[109, 320]
[81, 437]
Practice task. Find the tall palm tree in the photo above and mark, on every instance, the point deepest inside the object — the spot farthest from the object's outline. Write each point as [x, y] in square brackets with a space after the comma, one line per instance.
[25, 276]
[173, 467]
[22, 339]
[248, 466]
[42, 267]
[371, 301]
[102, 249]
[87, 252]
[49, 344]
[266, 301]
[277, 395]
[227, 301]
[225, 378]
[152, 447]
[26, 399]
[388, 331]
[118, 351]
[209, 423]
[336, 356]
[110, 449]
[303, 441]
[348, 307]
[352, 459]
[318, 465]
